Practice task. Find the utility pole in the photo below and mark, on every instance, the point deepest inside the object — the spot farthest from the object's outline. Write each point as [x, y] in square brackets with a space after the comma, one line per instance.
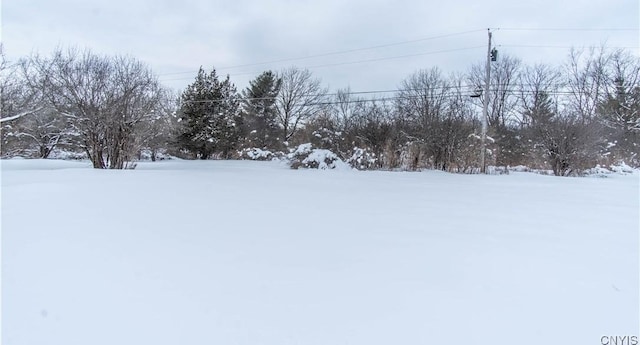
[485, 108]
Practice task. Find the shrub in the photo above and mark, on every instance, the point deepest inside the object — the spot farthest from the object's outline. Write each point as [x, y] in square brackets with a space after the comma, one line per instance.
[363, 159]
[256, 154]
[305, 156]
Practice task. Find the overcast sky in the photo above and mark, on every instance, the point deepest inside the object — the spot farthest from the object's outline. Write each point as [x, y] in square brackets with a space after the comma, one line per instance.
[179, 36]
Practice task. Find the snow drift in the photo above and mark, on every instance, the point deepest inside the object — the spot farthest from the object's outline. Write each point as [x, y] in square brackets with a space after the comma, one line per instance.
[229, 252]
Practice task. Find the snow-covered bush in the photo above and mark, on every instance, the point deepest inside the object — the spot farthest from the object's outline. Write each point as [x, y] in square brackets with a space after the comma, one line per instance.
[256, 154]
[363, 159]
[622, 168]
[604, 171]
[497, 170]
[154, 155]
[305, 156]
[67, 155]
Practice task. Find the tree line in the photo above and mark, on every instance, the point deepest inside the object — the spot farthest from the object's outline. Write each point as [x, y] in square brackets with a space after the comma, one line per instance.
[113, 110]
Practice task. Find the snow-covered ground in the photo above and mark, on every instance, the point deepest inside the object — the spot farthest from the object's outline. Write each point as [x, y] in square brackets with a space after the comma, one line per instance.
[229, 252]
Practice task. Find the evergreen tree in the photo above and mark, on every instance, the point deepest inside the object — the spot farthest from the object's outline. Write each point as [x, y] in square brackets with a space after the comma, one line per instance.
[541, 110]
[620, 113]
[621, 109]
[259, 110]
[230, 121]
[209, 116]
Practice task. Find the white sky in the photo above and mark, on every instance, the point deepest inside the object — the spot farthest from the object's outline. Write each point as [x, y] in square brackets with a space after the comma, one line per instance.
[181, 35]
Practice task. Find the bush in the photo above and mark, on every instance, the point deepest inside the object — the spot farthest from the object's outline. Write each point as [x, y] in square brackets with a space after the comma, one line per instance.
[305, 156]
[363, 159]
[256, 154]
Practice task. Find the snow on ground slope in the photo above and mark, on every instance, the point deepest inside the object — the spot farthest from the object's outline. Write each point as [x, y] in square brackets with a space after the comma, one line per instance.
[227, 252]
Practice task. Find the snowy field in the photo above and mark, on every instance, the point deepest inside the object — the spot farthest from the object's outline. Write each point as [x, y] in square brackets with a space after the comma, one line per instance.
[239, 252]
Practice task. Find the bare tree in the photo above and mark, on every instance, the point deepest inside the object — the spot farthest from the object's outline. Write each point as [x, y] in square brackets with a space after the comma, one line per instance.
[540, 85]
[505, 74]
[567, 143]
[300, 98]
[135, 98]
[157, 136]
[373, 130]
[460, 124]
[36, 135]
[332, 127]
[586, 75]
[563, 138]
[106, 100]
[422, 97]
[434, 113]
[346, 108]
[16, 99]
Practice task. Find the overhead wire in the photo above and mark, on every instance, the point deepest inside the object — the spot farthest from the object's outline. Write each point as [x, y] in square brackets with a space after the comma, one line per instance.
[403, 56]
[357, 61]
[562, 29]
[557, 46]
[456, 92]
[340, 52]
[565, 29]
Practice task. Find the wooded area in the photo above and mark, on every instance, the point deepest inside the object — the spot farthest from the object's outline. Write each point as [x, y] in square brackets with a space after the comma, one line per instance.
[114, 111]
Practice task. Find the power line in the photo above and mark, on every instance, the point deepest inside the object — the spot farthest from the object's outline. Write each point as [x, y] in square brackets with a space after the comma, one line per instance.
[395, 57]
[454, 92]
[338, 52]
[354, 93]
[567, 29]
[358, 61]
[557, 46]
[408, 55]
[390, 98]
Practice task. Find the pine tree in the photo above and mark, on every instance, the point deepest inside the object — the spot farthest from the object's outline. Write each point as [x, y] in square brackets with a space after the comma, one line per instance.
[229, 123]
[541, 110]
[259, 110]
[209, 116]
[621, 108]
